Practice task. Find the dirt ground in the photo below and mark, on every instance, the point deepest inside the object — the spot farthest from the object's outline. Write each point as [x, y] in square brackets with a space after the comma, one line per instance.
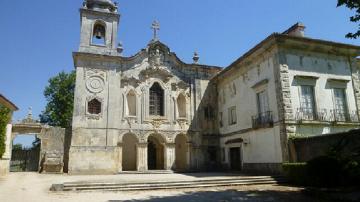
[19, 187]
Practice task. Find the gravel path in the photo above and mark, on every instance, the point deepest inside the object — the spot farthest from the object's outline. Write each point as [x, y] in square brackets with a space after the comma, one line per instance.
[35, 187]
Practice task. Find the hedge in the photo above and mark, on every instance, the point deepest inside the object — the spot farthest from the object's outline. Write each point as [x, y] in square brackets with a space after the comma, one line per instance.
[296, 173]
[4, 120]
[323, 171]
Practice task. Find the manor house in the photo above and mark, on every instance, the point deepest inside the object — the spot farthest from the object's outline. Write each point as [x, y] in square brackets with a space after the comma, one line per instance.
[152, 111]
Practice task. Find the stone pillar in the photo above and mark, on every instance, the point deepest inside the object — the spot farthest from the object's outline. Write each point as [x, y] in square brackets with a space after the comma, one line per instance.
[119, 150]
[5, 160]
[169, 156]
[8, 139]
[188, 155]
[141, 159]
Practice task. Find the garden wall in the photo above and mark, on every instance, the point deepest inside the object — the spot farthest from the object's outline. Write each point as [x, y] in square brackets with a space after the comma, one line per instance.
[304, 149]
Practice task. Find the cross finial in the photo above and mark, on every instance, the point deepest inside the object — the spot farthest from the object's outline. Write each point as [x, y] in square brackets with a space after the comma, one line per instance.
[155, 26]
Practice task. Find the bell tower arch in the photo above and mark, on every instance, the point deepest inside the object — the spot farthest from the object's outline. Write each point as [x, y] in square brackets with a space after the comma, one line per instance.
[99, 27]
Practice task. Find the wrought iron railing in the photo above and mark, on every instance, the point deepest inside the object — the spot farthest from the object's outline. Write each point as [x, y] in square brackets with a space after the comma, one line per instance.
[341, 116]
[332, 115]
[263, 120]
[309, 114]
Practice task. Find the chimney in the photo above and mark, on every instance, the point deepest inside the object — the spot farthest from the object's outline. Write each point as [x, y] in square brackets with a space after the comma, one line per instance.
[297, 29]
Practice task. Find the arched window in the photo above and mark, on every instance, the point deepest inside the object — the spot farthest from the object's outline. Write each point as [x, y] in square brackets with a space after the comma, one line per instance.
[131, 103]
[94, 106]
[181, 106]
[98, 34]
[156, 105]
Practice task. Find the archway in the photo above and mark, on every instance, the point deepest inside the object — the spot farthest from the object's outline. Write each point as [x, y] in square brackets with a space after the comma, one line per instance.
[181, 152]
[155, 152]
[25, 153]
[129, 152]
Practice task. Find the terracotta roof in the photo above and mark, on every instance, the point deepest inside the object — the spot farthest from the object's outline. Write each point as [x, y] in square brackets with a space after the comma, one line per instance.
[7, 103]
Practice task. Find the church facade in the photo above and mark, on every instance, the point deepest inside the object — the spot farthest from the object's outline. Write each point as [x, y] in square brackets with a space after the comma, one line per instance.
[151, 111]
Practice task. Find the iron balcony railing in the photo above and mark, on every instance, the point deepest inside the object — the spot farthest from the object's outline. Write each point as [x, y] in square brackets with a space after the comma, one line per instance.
[341, 116]
[332, 115]
[309, 114]
[263, 120]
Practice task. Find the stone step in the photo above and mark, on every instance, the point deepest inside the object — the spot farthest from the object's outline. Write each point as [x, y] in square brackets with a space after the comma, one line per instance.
[227, 179]
[147, 172]
[184, 186]
[165, 185]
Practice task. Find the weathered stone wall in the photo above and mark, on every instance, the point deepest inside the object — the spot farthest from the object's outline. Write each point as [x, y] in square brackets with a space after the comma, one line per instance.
[52, 150]
[307, 148]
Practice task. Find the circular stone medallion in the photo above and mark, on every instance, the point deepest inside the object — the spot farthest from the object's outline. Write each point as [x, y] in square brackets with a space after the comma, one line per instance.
[95, 84]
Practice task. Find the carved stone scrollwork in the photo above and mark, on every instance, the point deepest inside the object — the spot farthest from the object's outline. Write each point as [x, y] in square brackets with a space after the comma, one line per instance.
[125, 81]
[157, 123]
[143, 136]
[180, 85]
[159, 73]
[183, 123]
[156, 58]
[95, 84]
[131, 120]
[170, 136]
[95, 80]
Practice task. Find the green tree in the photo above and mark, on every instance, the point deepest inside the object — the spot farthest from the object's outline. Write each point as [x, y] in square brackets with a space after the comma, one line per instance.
[17, 147]
[352, 5]
[59, 95]
[4, 120]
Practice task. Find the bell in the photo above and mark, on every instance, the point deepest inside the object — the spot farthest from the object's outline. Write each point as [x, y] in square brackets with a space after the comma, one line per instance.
[99, 32]
[98, 35]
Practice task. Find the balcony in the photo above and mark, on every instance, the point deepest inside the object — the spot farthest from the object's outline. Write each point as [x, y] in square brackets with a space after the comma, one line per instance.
[263, 120]
[324, 115]
[339, 116]
[308, 114]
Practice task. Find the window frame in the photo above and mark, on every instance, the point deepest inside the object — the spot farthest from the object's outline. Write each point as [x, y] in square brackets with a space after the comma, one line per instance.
[156, 100]
[262, 108]
[232, 116]
[313, 98]
[345, 106]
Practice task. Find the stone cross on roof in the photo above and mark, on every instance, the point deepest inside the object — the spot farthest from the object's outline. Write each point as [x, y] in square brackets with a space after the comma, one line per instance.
[155, 26]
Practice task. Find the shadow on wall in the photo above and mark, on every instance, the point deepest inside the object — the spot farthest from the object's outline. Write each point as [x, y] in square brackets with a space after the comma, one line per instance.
[67, 144]
[204, 127]
[230, 195]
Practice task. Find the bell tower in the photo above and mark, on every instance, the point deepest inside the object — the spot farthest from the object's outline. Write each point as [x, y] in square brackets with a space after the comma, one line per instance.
[99, 26]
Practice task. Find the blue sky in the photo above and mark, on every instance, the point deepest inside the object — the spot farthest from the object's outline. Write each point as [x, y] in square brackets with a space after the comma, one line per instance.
[38, 37]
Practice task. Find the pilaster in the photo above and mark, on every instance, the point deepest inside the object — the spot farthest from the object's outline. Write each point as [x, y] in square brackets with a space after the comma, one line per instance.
[169, 156]
[8, 140]
[141, 160]
[119, 150]
[284, 104]
[355, 75]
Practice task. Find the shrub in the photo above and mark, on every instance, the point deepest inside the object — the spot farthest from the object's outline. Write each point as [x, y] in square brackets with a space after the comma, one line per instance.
[296, 173]
[4, 120]
[324, 171]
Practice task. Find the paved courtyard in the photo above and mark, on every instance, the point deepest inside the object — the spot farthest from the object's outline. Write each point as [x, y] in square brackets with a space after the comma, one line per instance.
[35, 187]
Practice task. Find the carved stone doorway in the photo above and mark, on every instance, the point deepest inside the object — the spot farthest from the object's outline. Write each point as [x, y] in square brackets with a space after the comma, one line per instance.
[155, 153]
